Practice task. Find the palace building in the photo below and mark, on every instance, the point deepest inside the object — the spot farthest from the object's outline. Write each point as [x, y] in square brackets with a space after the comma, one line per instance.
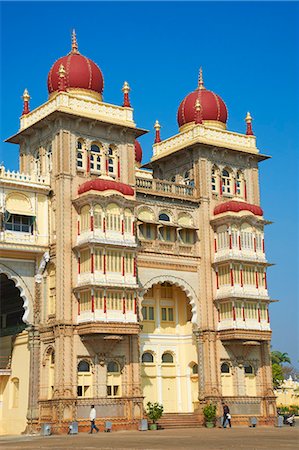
[124, 283]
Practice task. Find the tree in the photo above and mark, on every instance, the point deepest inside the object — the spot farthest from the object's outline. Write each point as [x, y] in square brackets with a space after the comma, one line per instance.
[277, 375]
[280, 358]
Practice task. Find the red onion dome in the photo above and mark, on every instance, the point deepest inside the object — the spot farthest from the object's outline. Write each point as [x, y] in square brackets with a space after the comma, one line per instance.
[138, 152]
[234, 206]
[80, 72]
[202, 105]
[100, 184]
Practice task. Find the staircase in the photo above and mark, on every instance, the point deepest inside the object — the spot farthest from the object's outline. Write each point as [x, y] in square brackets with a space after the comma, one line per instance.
[178, 420]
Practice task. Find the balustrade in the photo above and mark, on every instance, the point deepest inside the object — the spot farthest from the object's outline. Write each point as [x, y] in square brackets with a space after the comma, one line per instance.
[162, 187]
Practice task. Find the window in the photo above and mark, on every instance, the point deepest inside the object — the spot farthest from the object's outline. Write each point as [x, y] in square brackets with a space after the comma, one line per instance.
[84, 388]
[113, 379]
[98, 259]
[250, 310]
[225, 310]
[195, 369]
[247, 237]
[166, 291]
[167, 234]
[129, 263]
[249, 275]
[222, 237]
[187, 236]
[113, 217]
[114, 261]
[97, 217]
[49, 159]
[147, 231]
[226, 182]
[85, 218]
[148, 313]
[263, 311]
[167, 358]
[99, 299]
[37, 163]
[95, 158]
[225, 368]
[248, 369]
[167, 314]
[85, 301]
[147, 358]
[80, 152]
[164, 217]
[214, 180]
[128, 219]
[224, 275]
[16, 222]
[85, 265]
[239, 184]
[114, 301]
[51, 290]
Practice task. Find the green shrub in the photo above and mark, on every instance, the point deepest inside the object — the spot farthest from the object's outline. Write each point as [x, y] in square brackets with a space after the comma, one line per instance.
[154, 411]
[209, 412]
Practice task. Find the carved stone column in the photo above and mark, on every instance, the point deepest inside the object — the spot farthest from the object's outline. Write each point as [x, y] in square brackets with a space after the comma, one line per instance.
[33, 408]
[200, 358]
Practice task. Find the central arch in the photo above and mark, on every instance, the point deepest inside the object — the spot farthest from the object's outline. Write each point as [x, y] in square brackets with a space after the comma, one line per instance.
[179, 282]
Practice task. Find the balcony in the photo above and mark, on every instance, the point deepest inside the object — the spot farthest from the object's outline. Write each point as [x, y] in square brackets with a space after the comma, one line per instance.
[166, 189]
[100, 319]
[97, 236]
[175, 248]
[238, 291]
[235, 253]
[113, 279]
[251, 336]
[24, 179]
[240, 324]
[17, 238]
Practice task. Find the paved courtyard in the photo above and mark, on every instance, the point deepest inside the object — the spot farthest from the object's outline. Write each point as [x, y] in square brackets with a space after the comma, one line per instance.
[192, 438]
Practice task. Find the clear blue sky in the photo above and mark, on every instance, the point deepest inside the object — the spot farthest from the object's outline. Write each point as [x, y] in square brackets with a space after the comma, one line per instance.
[249, 53]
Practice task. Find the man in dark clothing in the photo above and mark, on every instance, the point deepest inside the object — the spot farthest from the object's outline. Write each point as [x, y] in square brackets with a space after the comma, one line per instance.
[226, 416]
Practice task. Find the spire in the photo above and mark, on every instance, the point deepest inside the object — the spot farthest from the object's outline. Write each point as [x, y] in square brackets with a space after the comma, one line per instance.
[157, 127]
[26, 98]
[200, 79]
[198, 116]
[126, 89]
[248, 120]
[74, 43]
[61, 82]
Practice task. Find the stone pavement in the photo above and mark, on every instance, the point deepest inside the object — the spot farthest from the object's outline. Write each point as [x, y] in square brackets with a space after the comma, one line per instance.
[240, 438]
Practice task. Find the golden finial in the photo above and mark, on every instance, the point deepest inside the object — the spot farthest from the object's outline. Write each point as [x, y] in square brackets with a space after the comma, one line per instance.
[200, 79]
[26, 96]
[126, 88]
[61, 71]
[248, 118]
[197, 105]
[74, 43]
[157, 126]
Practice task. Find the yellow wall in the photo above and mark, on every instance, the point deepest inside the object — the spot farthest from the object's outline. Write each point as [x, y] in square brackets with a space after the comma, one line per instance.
[13, 417]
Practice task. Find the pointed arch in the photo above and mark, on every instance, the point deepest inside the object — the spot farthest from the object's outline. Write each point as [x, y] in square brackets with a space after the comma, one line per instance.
[24, 291]
[184, 285]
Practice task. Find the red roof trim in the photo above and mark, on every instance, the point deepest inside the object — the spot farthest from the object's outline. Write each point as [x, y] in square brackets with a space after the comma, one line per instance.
[105, 185]
[234, 206]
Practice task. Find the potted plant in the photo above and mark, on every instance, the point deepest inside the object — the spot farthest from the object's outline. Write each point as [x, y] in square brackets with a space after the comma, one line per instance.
[154, 412]
[209, 413]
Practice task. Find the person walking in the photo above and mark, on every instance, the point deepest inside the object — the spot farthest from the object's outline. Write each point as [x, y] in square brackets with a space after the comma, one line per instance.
[226, 416]
[92, 417]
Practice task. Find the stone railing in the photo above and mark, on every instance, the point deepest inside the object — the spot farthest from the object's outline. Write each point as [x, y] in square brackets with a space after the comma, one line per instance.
[205, 135]
[165, 188]
[175, 248]
[66, 102]
[19, 177]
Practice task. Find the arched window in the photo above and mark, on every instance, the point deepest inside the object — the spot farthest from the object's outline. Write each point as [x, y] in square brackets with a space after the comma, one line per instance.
[80, 152]
[195, 369]
[113, 217]
[83, 366]
[113, 379]
[248, 369]
[95, 158]
[113, 367]
[226, 182]
[222, 237]
[164, 217]
[85, 218]
[167, 358]
[225, 368]
[51, 374]
[84, 388]
[98, 217]
[147, 357]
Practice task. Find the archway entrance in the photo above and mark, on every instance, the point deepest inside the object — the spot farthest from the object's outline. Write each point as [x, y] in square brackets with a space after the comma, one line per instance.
[11, 307]
[167, 348]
